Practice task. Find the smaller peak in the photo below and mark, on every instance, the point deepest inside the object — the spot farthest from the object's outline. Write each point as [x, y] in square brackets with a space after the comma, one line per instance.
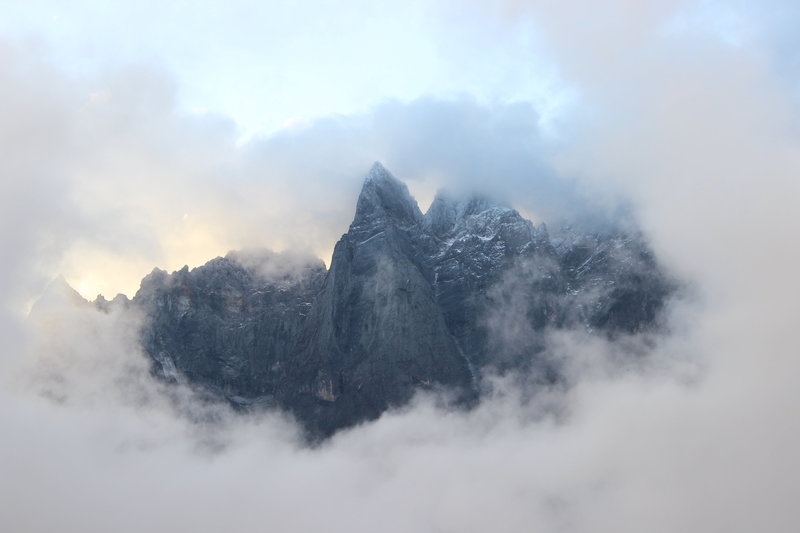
[61, 287]
[479, 203]
[157, 273]
[467, 203]
[59, 283]
[120, 297]
[155, 279]
[448, 210]
[57, 295]
[442, 215]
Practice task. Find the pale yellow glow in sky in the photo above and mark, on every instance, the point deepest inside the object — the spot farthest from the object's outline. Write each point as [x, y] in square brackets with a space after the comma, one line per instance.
[189, 240]
[92, 270]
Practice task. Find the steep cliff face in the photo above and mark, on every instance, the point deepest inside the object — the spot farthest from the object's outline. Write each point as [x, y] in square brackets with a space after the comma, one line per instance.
[229, 325]
[410, 302]
[476, 242]
[377, 333]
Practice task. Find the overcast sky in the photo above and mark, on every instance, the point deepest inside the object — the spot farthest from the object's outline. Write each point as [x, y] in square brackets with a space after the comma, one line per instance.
[139, 134]
[167, 135]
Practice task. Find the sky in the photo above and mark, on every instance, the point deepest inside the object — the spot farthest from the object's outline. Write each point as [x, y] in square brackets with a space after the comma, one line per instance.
[202, 94]
[270, 64]
[197, 128]
[136, 135]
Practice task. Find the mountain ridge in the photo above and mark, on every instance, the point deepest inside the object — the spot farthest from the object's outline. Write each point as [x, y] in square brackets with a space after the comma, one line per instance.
[410, 302]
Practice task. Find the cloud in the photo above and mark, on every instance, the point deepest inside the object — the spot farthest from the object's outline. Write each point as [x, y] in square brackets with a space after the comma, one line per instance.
[699, 134]
[126, 181]
[263, 63]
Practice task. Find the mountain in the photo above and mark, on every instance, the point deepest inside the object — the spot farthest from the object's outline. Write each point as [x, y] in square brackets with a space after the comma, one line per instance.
[411, 301]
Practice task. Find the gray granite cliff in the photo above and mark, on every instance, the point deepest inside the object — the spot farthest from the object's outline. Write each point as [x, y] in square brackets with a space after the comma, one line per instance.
[411, 301]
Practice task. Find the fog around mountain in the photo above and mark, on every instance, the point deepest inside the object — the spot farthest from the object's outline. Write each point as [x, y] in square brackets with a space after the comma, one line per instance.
[687, 124]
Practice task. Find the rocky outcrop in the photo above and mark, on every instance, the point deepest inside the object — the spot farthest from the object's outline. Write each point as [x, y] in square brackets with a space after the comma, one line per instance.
[377, 332]
[228, 326]
[411, 301]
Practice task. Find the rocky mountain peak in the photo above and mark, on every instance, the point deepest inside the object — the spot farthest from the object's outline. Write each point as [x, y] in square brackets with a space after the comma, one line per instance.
[58, 294]
[450, 214]
[410, 303]
[384, 198]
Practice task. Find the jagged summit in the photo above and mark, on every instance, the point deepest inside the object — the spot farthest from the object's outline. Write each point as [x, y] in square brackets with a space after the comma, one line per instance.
[385, 197]
[60, 289]
[378, 172]
[449, 212]
[60, 286]
[410, 302]
[467, 204]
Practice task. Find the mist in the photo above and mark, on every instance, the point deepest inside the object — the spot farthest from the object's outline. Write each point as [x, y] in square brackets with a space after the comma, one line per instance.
[686, 122]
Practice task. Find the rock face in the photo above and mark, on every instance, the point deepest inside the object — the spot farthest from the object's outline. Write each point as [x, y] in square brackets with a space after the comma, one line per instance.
[229, 325]
[411, 301]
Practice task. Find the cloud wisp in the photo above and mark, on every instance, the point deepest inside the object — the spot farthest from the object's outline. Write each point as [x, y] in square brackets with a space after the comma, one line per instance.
[697, 131]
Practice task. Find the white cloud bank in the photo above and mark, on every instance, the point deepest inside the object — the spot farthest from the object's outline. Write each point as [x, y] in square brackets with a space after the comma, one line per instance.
[699, 131]
[113, 179]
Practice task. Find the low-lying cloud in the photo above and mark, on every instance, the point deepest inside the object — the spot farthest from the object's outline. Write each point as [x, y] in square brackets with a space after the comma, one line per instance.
[699, 133]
